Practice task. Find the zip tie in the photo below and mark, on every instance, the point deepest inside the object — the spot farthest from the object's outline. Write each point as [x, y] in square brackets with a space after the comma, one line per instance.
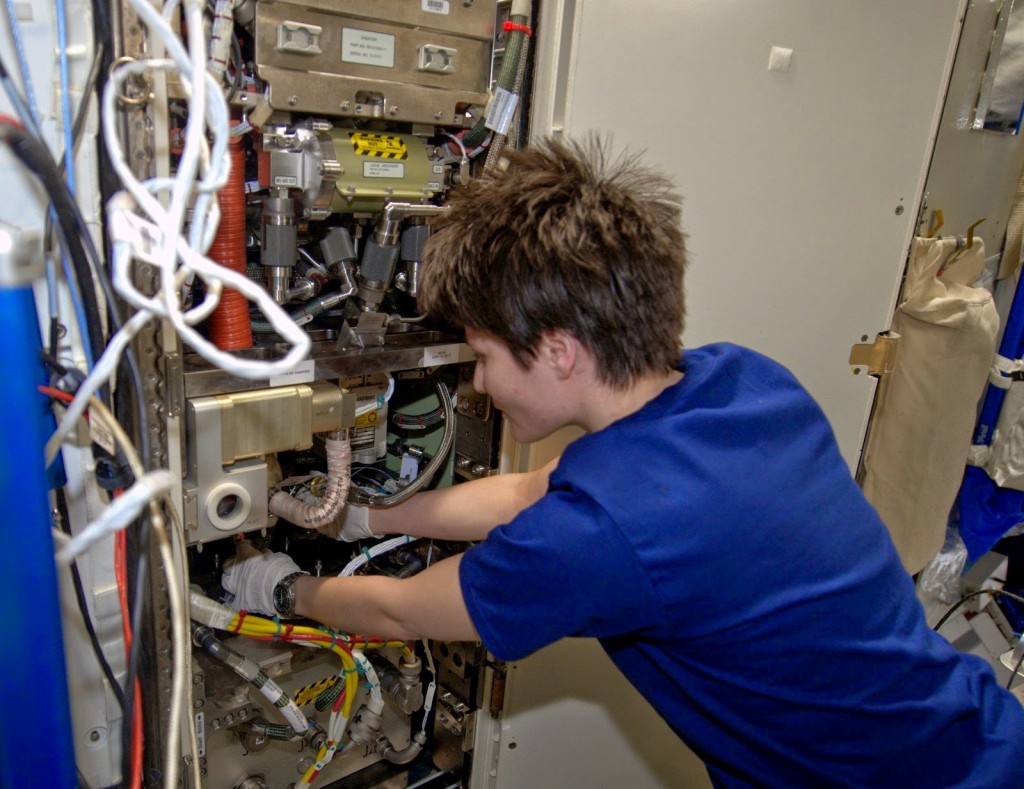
[277, 621]
[510, 26]
[333, 635]
[241, 618]
[367, 554]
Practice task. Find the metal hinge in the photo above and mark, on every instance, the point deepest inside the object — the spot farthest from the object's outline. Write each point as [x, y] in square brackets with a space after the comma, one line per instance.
[879, 356]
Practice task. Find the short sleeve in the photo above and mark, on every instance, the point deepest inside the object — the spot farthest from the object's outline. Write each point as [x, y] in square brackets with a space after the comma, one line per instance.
[561, 568]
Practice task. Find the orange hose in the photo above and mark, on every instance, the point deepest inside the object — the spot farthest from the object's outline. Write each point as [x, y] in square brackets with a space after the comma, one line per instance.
[229, 325]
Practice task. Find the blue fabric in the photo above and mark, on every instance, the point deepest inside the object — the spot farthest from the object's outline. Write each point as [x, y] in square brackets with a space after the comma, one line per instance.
[984, 512]
[716, 544]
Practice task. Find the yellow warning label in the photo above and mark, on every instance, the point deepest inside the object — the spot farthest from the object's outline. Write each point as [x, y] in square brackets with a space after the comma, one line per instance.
[379, 146]
[369, 418]
[308, 694]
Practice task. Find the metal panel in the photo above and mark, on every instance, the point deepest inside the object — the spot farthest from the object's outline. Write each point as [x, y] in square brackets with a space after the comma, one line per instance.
[353, 65]
[571, 719]
[801, 184]
[975, 172]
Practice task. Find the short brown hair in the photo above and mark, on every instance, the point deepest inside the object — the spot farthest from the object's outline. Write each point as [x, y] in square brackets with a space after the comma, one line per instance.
[565, 238]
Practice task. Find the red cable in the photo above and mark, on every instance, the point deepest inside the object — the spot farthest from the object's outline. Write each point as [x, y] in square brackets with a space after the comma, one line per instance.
[120, 550]
[56, 394]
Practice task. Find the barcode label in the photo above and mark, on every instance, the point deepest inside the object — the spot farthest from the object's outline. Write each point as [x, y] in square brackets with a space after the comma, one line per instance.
[501, 111]
[436, 6]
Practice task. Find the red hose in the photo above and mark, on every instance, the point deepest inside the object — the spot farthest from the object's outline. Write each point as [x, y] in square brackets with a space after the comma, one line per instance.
[229, 326]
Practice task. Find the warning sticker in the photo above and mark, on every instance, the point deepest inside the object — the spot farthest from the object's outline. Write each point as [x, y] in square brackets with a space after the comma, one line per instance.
[379, 146]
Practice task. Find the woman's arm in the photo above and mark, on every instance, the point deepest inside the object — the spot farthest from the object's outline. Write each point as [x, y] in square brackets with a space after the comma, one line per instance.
[467, 511]
[427, 605]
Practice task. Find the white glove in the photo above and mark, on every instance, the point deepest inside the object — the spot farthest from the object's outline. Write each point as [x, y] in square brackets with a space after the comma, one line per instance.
[251, 577]
[354, 524]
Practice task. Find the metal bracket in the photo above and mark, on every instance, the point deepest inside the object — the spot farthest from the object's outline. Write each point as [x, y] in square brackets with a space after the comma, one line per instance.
[879, 357]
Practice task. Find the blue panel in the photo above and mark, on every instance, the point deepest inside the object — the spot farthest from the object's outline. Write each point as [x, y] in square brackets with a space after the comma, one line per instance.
[35, 733]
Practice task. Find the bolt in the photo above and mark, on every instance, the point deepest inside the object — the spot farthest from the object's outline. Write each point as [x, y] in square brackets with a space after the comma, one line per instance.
[438, 115]
[215, 724]
[899, 210]
[346, 104]
[293, 100]
[198, 704]
[394, 110]
[243, 714]
[197, 679]
[95, 736]
[229, 719]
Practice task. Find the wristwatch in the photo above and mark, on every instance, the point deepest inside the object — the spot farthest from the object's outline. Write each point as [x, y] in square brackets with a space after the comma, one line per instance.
[284, 595]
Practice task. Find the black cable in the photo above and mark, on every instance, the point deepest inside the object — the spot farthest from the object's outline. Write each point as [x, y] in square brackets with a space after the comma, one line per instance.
[18, 101]
[82, 113]
[1016, 670]
[239, 65]
[83, 608]
[971, 596]
[85, 259]
[136, 603]
[31, 152]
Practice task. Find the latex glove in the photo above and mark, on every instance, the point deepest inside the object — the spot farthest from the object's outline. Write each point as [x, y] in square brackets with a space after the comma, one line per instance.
[351, 525]
[251, 577]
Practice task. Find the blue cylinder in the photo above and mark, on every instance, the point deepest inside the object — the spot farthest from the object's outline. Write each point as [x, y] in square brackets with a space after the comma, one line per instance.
[35, 732]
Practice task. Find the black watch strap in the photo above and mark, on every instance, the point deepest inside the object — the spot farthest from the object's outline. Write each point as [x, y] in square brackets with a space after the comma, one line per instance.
[284, 595]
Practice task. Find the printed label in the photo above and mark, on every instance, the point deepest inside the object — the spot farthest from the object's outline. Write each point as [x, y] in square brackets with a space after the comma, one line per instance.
[285, 180]
[502, 109]
[302, 374]
[436, 6]
[100, 433]
[367, 47]
[442, 354]
[383, 170]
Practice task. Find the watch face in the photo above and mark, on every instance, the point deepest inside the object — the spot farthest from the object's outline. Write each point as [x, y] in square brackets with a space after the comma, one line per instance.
[281, 598]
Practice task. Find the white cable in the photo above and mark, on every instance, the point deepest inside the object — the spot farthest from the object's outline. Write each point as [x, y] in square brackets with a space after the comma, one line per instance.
[122, 512]
[177, 604]
[156, 238]
[376, 703]
[181, 570]
[375, 551]
[102, 372]
[220, 37]
[428, 697]
[379, 400]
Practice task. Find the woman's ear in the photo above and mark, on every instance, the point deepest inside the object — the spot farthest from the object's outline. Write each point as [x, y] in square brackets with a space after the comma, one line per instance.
[560, 350]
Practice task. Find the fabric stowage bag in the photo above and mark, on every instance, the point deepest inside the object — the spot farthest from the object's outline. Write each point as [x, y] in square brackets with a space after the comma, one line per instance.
[926, 409]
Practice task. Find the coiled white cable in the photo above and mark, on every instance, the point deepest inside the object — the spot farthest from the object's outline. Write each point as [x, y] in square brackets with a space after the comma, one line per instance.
[155, 237]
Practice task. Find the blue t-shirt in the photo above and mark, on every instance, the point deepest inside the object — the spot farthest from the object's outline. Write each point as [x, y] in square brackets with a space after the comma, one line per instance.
[716, 544]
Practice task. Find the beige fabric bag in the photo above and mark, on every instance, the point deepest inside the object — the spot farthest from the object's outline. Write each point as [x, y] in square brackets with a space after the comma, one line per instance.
[926, 408]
